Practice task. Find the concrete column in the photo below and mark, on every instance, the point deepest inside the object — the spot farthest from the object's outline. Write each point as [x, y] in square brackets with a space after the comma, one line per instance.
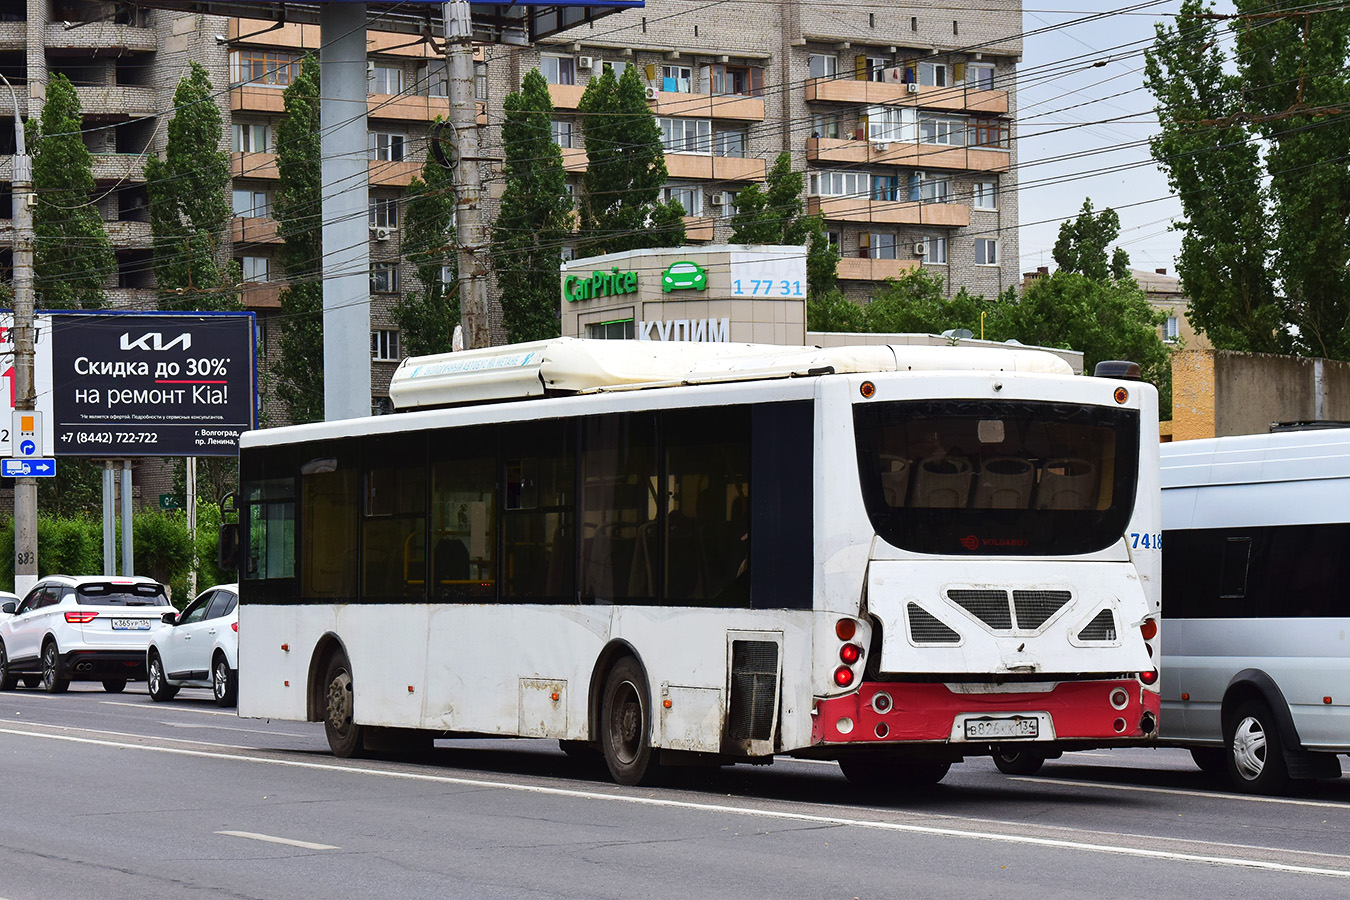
[109, 520]
[346, 248]
[128, 564]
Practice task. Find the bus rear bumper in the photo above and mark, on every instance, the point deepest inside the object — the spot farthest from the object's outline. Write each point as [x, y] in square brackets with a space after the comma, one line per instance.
[1079, 712]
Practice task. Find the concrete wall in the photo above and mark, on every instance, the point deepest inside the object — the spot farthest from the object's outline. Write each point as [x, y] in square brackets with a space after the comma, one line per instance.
[1223, 392]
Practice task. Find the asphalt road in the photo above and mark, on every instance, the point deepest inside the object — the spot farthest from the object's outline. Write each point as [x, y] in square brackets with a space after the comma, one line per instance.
[111, 796]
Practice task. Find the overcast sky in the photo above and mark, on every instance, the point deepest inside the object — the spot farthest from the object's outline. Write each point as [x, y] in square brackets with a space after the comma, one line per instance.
[1089, 73]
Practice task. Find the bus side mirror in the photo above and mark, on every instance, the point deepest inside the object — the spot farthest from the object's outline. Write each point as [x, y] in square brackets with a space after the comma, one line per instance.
[227, 551]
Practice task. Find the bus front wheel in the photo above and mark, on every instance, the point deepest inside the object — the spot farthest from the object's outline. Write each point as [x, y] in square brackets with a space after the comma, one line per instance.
[344, 735]
[1255, 752]
[626, 725]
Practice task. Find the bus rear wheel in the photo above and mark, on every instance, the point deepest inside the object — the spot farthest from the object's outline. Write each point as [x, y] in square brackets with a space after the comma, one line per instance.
[344, 735]
[626, 725]
[892, 774]
[1019, 762]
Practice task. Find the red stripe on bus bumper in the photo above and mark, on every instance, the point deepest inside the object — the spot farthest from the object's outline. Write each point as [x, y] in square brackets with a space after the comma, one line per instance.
[1079, 710]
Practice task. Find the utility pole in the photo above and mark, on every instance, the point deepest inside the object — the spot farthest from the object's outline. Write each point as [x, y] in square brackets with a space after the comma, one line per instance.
[471, 253]
[25, 489]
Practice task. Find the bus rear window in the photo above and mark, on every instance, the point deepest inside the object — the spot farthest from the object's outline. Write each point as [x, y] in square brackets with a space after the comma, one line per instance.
[984, 477]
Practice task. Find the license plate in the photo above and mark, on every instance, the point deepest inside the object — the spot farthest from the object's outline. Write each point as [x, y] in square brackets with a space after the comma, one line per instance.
[1004, 727]
[131, 624]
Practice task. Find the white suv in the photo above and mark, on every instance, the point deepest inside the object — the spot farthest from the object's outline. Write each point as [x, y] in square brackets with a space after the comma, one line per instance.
[80, 628]
[201, 649]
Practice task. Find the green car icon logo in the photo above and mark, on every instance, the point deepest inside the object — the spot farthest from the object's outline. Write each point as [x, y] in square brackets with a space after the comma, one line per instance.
[684, 276]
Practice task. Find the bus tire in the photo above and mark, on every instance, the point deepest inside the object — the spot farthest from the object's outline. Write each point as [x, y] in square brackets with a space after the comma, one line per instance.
[1255, 751]
[892, 775]
[1210, 760]
[1018, 762]
[626, 725]
[344, 735]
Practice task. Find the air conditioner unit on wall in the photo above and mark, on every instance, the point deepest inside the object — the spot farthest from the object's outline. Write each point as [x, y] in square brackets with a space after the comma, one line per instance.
[921, 248]
[719, 198]
[652, 93]
[382, 234]
[912, 87]
[585, 62]
[881, 145]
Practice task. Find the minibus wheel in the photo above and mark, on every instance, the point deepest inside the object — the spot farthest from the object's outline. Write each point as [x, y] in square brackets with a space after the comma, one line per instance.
[1255, 752]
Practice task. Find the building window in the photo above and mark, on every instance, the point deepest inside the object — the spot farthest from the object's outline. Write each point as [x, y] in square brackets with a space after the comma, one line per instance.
[885, 187]
[385, 80]
[934, 190]
[686, 135]
[1172, 329]
[558, 69]
[729, 143]
[935, 250]
[691, 198]
[889, 123]
[257, 66]
[384, 278]
[448, 276]
[252, 138]
[677, 79]
[985, 194]
[745, 81]
[480, 81]
[436, 78]
[384, 346]
[388, 146]
[881, 246]
[624, 330]
[840, 184]
[383, 212]
[617, 65]
[989, 133]
[986, 252]
[563, 134]
[256, 268]
[825, 126]
[980, 76]
[876, 67]
[933, 74]
[835, 240]
[823, 65]
[251, 204]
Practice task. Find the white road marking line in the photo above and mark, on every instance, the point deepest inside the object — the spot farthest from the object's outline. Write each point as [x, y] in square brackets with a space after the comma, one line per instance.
[161, 708]
[1215, 795]
[783, 815]
[271, 839]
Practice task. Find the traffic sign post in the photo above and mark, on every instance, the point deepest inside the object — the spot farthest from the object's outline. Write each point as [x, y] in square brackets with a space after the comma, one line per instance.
[27, 468]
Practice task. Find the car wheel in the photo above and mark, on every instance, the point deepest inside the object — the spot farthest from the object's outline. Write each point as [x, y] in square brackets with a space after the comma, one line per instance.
[625, 726]
[1255, 751]
[8, 680]
[114, 685]
[1019, 762]
[52, 682]
[160, 689]
[339, 723]
[223, 682]
[892, 775]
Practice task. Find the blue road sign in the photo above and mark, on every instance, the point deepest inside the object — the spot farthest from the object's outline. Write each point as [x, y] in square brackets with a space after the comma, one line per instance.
[27, 448]
[33, 468]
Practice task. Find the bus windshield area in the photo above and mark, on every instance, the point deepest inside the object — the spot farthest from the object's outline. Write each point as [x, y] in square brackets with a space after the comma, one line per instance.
[997, 477]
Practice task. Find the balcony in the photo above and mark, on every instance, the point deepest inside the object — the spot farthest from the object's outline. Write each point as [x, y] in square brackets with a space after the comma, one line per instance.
[874, 269]
[306, 37]
[129, 235]
[117, 166]
[261, 294]
[258, 98]
[920, 156]
[100, 36]
[698, 228]
[254, 230]
[393, 174]
[889, 212]
[714, 168]
[574, 159]
[959, 97]
[13, 35]
[566, 96]
[116, 100]
[708, 106]
[254, 165]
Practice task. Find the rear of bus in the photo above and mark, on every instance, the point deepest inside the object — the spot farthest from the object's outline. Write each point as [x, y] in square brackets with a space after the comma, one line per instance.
[1010, 595]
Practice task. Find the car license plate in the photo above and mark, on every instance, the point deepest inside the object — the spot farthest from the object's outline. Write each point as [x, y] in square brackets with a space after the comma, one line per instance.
[1002, 727]
[131, 624]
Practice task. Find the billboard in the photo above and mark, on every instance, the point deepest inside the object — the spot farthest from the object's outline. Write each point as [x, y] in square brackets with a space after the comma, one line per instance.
[142, 384]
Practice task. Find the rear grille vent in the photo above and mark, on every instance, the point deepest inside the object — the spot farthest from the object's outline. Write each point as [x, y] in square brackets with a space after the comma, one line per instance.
[1101, 628]
[754, 686]
[1035, 607]
[990, 607]
[925, 628]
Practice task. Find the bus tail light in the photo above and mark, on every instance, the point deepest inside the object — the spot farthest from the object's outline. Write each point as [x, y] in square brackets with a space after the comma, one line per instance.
[1149, 629]
[850, 653]
[80, 618]
[1149, 677]
[844, 629]
[843, 676]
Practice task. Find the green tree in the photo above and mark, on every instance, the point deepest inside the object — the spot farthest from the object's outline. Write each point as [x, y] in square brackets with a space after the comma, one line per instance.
[626, 168]
[536, 215]
[832, 311]
[76, 489]
[775, 215]
[189, 211]
[1083, 241]
[72, 254]
[299, 371]
[915, 303]
[427, 317]
[1213, 164]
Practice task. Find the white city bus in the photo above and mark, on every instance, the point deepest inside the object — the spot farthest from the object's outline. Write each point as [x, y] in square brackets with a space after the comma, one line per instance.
[1256, 664]
[680, 553]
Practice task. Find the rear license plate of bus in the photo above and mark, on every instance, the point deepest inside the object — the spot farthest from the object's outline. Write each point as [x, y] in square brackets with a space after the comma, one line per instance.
[131, 624]
[1005, 727]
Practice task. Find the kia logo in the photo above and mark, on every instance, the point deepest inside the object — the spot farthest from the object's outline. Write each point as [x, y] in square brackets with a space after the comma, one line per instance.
[155, 341]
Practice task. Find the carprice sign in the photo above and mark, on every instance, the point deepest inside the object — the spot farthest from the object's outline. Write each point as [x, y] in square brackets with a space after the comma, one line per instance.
[152, 384]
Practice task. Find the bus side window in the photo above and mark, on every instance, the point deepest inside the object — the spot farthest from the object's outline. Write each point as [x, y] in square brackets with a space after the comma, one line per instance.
[539, 538]
[1237, 552]
[464, 515]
